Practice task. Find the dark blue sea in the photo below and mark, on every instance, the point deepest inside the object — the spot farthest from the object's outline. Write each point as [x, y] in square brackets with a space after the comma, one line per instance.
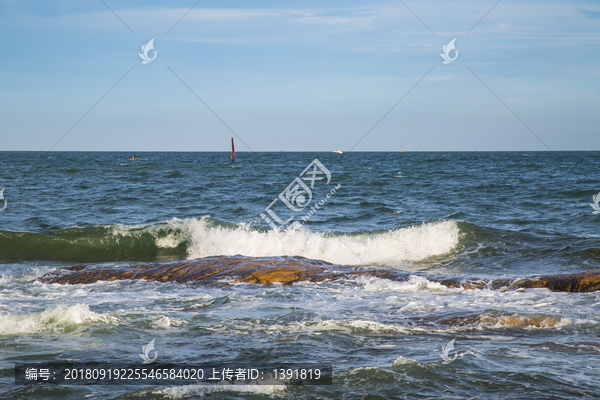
[491, 215]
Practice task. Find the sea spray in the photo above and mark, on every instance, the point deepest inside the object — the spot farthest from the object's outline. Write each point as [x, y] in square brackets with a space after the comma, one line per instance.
[393, 247]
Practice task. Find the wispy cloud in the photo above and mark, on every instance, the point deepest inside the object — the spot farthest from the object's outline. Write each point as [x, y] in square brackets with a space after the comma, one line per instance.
[590, 14]
[222, 15]
[358, 18]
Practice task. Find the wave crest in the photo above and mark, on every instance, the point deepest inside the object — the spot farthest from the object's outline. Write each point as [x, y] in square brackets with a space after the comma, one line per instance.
[178, 239]
[391, 248]
[56, 319]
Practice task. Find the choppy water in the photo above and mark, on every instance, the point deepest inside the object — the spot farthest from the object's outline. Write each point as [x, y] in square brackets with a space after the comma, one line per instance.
[475, 214]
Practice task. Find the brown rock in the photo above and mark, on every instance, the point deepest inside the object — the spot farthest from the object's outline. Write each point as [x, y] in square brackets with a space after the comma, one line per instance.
[289, 270]
[210, 270]
[501, 318]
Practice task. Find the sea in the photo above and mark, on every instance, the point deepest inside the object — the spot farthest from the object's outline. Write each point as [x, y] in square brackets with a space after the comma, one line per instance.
[488, 215]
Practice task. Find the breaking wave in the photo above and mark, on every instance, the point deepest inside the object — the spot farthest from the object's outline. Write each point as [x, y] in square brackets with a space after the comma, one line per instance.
[56, 319]
[203, 237]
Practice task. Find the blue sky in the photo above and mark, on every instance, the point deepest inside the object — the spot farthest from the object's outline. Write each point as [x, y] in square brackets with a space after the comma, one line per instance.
[300, 76]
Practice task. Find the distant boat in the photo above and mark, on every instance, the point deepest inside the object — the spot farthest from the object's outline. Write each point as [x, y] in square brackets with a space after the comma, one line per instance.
[232, 156]
[133, 158]
[337, 151]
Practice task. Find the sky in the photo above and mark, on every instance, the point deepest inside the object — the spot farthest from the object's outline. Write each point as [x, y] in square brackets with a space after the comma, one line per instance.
[299, 75]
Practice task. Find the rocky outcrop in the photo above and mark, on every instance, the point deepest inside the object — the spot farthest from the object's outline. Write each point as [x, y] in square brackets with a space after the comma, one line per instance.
[588, 281]
[500, 319]
[222, 270]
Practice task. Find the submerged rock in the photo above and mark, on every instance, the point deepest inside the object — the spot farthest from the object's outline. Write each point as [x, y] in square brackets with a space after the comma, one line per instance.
[502, 319]
[289, 270]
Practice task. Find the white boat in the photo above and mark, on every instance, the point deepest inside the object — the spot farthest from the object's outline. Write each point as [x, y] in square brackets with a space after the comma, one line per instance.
[337, 151]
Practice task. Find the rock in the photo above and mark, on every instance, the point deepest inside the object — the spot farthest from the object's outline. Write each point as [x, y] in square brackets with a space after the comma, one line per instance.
[500, 319]
[289, 270]
[210, 270]
[582, 282]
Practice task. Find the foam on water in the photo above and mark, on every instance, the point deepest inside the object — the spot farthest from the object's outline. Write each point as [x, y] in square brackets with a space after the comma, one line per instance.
[401, 361]
[166, 322]
[390, 248]
[413, 284]
[178, 392]
[348, 326]
[55, 319]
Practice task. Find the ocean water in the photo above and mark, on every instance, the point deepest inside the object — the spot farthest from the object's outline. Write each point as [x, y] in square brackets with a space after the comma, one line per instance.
[483, 214]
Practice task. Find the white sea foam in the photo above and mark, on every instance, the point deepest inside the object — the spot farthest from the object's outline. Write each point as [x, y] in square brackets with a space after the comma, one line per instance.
[401, 361]
[5, 279]
[204, 238]
[178, 392]
[166, 322]
[347, 326]
[54, 319]
[390, 248]
[35, 273]
[413, 284]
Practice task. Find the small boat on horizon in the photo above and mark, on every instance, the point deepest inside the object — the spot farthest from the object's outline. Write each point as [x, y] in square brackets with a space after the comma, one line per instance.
[337, 151]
